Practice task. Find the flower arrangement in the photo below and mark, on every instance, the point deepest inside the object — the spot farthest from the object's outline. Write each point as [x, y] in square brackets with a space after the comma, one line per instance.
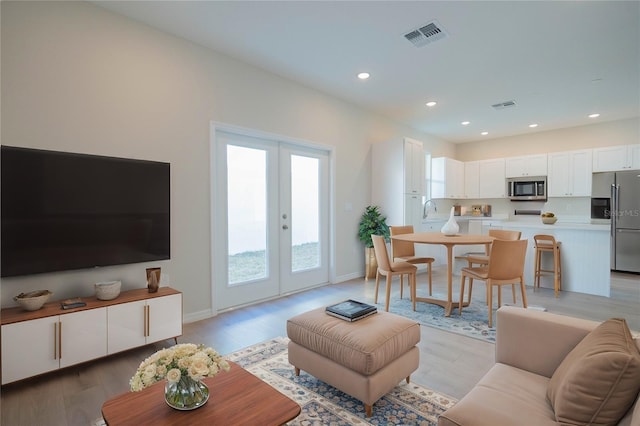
[178, 362]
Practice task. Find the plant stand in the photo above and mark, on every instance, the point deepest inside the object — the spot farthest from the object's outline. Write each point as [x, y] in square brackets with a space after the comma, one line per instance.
[371, 264]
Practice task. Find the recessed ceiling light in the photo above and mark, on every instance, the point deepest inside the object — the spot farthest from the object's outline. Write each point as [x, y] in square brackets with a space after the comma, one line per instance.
[431, 103]
[364, 75]
[484, 133]
[465, 123]
[532, 125]
[594, 115]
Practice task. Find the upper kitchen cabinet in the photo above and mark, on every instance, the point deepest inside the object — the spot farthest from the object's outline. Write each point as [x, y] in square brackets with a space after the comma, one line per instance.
[529, 165]
[471, 181]
[414, 177]
[484, 179]
[570, 173]
[491, 178]
[447, 178]
[616, 158]
[397, 169]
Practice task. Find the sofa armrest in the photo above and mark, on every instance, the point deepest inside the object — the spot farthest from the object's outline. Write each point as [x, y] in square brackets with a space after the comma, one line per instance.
[537, 341]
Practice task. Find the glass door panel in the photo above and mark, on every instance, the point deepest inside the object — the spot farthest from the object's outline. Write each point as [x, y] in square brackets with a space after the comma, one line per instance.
[247, 214]
[305, 217]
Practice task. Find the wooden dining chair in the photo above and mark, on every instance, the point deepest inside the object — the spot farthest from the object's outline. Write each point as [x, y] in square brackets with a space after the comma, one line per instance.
[505, 267]
[404, 251]
[390, 269]
[483, 259]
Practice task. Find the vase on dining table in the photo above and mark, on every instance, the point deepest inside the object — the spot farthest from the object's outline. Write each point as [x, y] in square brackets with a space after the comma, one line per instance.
[186, 393]
[451, 227]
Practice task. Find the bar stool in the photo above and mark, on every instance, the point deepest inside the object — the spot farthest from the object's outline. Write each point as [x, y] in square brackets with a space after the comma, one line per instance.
[547, 243]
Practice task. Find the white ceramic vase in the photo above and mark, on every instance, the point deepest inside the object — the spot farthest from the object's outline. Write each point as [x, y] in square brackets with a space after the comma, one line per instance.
[451, 227]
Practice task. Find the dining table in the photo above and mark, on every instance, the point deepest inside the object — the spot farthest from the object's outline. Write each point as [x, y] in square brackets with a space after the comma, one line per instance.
[449, 241]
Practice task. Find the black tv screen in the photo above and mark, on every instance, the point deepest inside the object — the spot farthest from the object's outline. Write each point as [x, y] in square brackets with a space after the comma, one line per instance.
[64, 211]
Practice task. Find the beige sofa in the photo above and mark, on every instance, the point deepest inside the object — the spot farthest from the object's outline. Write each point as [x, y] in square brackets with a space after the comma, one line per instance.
[535, 352]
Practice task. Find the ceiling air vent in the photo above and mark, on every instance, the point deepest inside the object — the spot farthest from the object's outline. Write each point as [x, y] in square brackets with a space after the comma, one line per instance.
[503, 105]
[426, 34]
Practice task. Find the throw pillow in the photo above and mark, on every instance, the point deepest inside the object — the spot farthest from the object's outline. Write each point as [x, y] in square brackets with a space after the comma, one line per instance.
[599, 379]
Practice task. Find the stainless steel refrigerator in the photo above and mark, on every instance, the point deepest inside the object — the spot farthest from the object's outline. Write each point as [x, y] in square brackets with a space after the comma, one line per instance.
[623, 190]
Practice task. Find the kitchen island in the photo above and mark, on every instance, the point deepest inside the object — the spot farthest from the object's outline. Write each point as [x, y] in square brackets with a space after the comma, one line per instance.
[586, 255]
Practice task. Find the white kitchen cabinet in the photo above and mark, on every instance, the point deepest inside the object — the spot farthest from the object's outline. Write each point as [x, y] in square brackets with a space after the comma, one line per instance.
[528, 165]
[491, 176]
[412, 209]
[471, 179]
[414, 169]
[144, 321]
[36, 342]
[447, 178]
[616, 158]
[397, 169]
[570, 173]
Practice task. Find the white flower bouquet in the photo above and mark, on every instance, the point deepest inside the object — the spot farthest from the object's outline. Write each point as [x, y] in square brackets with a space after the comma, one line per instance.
[178, 362]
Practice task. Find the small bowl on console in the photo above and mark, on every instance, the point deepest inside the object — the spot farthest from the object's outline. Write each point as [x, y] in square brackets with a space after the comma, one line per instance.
[108, 290]
[549, 220]
[33, 300]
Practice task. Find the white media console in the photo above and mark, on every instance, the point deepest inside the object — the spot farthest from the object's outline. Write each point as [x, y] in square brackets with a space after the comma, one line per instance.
[37, 342]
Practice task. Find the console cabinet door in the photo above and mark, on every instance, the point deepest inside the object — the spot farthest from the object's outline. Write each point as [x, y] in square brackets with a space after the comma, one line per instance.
[164, 317]
[126, 326]
[29, 348]
[83, 336]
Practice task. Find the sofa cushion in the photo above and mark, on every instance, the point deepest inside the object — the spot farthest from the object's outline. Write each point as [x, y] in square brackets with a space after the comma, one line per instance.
[506, 395]
[599, 379]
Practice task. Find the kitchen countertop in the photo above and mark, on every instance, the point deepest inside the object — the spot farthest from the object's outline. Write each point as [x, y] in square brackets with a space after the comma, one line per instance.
[558, 225]
[529, 222]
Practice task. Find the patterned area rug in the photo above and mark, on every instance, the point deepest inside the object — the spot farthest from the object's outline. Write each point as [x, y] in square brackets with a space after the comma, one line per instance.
[406, 404]
[473, 322]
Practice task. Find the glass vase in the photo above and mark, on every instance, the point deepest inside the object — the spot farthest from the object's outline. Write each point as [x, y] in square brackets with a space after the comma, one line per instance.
[186, 393]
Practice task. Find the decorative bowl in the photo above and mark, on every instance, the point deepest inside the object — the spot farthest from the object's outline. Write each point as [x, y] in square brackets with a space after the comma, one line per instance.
[549, 220]
[33, 300]
[108, 290]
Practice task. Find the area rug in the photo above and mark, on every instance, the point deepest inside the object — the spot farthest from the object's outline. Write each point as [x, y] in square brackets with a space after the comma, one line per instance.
[472, 323]
[321, 404]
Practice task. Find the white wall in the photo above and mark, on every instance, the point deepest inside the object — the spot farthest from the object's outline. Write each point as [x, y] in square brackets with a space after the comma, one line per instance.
[610, 133]
[76, 77]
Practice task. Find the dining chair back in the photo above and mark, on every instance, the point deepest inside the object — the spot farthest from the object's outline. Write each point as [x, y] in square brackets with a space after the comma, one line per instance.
[483, 259]
[404, 251]
[505, 267]
[390, 269]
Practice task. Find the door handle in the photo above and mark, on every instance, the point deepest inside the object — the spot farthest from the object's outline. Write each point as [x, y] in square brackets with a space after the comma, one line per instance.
[285, 227]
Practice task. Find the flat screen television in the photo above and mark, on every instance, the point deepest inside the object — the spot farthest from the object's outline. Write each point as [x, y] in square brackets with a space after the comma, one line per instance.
[63, 211]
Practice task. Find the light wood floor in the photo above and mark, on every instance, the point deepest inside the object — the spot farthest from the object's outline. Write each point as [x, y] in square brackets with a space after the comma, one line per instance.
[449, 363]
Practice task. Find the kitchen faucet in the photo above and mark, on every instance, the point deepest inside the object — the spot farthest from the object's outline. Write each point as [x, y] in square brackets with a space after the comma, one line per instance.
[425, 210]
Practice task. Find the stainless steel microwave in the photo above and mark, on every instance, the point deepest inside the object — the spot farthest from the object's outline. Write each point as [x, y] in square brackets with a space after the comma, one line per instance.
[527, 188]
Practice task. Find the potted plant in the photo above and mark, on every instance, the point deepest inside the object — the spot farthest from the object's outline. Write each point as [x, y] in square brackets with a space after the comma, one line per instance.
[372, 223]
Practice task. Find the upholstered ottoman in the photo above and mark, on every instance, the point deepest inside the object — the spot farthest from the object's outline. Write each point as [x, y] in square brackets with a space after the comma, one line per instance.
[365, 358]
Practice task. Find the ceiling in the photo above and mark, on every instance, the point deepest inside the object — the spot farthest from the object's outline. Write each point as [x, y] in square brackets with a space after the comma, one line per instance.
[559, 61]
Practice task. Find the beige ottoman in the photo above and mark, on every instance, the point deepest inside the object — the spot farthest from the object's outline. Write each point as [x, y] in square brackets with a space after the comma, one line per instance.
[365, 358]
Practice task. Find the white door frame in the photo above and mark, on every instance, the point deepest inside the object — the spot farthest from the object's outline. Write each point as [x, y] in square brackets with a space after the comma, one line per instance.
[217, 244]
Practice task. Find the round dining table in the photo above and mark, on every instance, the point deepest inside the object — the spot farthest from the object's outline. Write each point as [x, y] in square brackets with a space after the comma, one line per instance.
[449, 241]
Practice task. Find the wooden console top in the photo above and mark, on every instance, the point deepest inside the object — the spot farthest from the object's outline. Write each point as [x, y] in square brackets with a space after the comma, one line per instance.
[17, 314]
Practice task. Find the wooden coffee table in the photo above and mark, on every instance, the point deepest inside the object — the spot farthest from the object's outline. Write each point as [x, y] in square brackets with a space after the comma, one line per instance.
[235, 397]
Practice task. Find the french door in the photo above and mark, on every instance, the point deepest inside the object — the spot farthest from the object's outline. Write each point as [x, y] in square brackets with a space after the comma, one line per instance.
[270, 218]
